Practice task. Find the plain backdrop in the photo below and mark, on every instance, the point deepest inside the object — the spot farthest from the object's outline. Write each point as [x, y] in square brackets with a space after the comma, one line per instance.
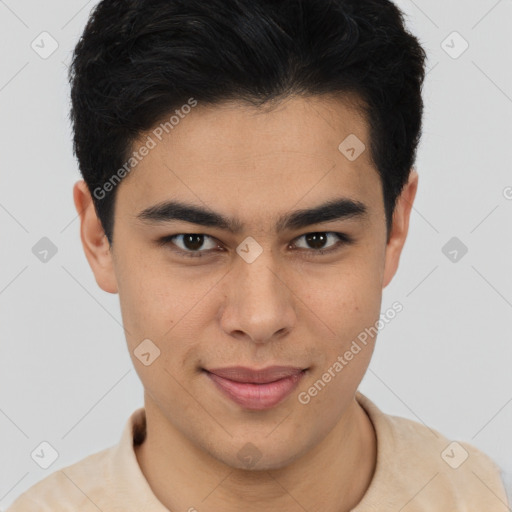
[65, 374]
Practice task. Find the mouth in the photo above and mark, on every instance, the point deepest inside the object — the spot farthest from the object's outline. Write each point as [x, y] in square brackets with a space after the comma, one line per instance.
[256, 389]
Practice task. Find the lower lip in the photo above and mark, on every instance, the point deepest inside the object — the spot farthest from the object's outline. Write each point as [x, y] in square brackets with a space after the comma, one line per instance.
[257, 396]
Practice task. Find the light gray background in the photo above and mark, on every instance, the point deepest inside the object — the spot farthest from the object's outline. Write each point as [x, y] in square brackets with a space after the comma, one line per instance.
[65, 373]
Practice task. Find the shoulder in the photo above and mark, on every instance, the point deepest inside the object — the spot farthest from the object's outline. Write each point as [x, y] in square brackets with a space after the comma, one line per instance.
[101, 481]
[506, 477]
[421, 440]
[70, 488]
[411, 455]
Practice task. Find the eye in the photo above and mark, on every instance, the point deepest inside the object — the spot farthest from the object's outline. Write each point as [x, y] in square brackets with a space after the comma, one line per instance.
[318, 242]
[190, 243]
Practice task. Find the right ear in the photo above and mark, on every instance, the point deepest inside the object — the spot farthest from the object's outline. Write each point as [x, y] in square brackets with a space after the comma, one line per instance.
[94, 241]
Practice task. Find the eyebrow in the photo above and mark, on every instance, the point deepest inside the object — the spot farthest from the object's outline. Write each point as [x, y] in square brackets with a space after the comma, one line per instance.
[335, 209]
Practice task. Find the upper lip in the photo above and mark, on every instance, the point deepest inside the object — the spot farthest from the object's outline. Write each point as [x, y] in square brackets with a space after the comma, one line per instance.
[256, 376]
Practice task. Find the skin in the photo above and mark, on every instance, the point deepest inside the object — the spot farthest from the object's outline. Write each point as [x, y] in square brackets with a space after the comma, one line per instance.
[287, 307]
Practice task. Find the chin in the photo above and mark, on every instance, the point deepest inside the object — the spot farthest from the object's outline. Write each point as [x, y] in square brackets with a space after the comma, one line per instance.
[262, 457]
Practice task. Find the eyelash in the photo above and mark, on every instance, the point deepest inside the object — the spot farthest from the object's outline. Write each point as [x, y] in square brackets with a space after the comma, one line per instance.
[342, 237]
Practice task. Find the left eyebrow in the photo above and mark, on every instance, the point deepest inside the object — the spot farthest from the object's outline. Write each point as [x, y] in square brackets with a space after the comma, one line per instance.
[335, 209]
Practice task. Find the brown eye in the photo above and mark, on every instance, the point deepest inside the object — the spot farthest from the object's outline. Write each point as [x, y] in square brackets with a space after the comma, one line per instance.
[189, 244]
[317, 242]
[193, 241]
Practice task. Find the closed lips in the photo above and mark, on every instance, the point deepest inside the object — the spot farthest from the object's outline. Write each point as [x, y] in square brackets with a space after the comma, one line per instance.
[256, 376]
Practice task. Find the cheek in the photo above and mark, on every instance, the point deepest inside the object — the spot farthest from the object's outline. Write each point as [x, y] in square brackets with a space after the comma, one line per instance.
[350, 308]
[347, 300]
[148, 306]
[166, 311]
[171, 310]
[155, 296]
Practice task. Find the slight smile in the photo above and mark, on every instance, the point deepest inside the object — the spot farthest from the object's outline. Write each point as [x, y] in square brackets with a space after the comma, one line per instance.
[256, 389]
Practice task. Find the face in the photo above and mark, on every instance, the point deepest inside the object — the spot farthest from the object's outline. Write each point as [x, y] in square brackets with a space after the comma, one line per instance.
[281, 289]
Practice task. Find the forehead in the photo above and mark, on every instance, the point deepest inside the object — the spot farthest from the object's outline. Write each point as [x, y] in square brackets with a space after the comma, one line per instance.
[244, 159]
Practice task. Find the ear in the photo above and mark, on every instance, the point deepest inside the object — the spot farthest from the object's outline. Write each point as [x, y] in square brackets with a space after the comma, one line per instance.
[399, 227]
[94, 241]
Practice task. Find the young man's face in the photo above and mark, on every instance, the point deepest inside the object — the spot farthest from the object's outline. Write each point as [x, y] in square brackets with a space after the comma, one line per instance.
[286, 305]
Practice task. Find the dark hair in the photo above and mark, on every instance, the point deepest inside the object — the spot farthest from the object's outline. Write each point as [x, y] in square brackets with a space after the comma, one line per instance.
[139, 60]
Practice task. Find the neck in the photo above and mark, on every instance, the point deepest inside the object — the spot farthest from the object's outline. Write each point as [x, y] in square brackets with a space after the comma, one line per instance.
[332, 477]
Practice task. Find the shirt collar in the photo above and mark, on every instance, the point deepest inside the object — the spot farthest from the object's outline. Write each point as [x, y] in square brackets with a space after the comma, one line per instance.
[127, 477]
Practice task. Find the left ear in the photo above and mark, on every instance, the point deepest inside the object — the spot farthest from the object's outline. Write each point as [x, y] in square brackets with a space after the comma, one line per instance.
[399, 227]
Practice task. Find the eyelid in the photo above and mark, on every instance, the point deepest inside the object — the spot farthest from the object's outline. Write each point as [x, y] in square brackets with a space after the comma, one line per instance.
[342, 237]
[343, 240]
[168, 240]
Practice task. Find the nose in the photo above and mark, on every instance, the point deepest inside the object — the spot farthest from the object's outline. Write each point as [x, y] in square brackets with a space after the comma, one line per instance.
[259, 304]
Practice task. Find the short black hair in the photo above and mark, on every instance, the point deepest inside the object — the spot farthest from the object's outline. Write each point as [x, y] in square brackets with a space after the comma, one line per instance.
[139, 60]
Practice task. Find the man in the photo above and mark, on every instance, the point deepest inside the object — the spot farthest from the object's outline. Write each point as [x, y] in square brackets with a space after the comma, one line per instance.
[248, 182]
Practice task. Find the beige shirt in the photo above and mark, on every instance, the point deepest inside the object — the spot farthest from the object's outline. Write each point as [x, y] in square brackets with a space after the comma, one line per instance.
[417, 469]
